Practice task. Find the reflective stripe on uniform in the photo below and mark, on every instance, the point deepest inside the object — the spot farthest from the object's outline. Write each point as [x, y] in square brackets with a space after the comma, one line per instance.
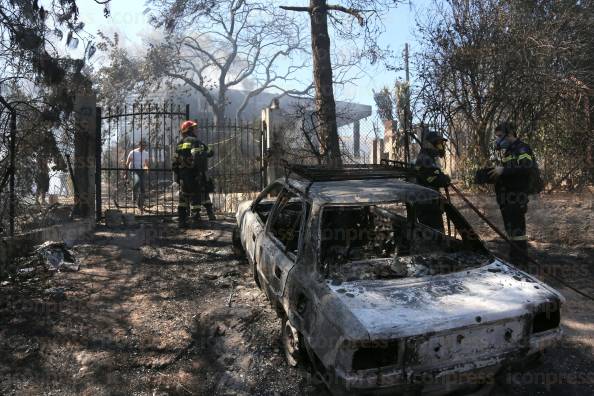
[196, 150]
[508, 158]
[519, 238]
[184, 146]
[431, 178]
[194, 206]
[182, 204]
[525, 155]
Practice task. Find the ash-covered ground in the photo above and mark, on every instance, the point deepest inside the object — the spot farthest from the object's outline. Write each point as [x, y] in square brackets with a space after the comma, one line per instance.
[156, 311]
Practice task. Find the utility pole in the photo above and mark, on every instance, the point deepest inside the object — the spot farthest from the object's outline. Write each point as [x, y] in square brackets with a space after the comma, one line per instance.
[407, 120]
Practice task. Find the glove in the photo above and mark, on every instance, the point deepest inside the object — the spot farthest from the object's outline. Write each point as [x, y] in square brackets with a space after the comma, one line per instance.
[482, 176]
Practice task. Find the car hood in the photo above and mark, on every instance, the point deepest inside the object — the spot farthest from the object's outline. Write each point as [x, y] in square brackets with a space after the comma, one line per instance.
[414, 306]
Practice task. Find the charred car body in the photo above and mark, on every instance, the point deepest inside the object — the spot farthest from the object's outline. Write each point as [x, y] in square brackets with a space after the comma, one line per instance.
[379, 301]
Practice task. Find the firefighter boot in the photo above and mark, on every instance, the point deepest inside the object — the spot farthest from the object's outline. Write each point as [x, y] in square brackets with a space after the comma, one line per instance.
[196, 219]
[210, 211]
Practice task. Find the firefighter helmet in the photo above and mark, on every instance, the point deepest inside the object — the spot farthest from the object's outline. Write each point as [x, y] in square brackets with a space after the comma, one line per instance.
[187, 125]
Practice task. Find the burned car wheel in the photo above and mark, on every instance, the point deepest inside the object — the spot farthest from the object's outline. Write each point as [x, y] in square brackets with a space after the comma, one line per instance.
[292, 344]
[237, 248]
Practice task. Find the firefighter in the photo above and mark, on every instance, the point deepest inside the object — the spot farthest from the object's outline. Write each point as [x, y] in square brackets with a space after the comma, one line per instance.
[512, 182]
[190, 166]
[429, 174]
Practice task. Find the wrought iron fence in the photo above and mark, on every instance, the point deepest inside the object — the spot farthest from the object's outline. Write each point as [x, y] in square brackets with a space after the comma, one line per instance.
[234, 168]
[35, 187]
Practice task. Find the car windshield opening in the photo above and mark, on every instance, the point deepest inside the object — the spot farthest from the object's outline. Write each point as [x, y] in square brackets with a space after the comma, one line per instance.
[397, 240]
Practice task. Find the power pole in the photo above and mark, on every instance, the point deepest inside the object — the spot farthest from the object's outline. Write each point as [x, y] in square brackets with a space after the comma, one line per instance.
[407, 109]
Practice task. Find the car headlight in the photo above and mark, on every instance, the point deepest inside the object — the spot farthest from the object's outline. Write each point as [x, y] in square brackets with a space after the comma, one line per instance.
[375, 354]
[546, 317]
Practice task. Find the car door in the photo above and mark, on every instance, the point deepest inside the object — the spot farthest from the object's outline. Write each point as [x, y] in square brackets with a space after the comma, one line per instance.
[279, 244]
[255, 218]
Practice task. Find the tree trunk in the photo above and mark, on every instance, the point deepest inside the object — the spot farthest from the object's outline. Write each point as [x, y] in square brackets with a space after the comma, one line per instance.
[322, 73]
[221, 105]
[218, 115]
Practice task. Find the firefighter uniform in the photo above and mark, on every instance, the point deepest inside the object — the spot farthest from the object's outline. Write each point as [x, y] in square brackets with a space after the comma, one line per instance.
[429, 174]
[511, 189]
[190, 166]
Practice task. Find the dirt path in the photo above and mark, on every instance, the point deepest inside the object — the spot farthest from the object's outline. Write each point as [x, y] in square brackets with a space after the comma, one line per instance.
[149, 314]
[560, 229]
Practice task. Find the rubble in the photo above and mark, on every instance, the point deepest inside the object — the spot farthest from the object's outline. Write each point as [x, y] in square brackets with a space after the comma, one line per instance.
[46, 258]
[415, 265]
[148, 331]
[57, 257]
[56, 293]
[25, 271]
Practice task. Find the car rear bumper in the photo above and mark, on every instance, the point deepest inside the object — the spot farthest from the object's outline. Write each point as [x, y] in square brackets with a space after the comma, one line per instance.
[443, 380]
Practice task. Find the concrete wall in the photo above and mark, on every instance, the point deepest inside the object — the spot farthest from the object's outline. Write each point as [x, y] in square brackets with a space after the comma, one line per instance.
[22, 244]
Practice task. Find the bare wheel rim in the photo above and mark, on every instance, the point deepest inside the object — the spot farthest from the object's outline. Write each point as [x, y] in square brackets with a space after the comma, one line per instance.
[291, 344]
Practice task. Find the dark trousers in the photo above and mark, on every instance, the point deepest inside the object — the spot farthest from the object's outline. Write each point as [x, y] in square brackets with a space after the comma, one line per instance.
[430, 214]
[138, 187]
[193, 195]
[514, 221]
[189, 205]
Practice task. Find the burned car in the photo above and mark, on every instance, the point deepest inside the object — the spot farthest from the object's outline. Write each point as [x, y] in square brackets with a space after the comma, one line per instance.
[379, 302]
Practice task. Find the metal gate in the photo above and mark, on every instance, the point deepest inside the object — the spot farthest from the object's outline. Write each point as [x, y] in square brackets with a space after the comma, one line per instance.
[235, 166]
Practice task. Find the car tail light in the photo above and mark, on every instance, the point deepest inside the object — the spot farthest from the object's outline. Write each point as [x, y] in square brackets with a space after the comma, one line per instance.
[378, 354]
[547, 317]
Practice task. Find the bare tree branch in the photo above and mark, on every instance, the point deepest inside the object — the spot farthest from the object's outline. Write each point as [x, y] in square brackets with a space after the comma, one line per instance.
[299, 9]
[350, 11]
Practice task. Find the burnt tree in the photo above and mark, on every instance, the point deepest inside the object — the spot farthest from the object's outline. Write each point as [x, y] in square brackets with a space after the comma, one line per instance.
[322, 75]
[320, 12]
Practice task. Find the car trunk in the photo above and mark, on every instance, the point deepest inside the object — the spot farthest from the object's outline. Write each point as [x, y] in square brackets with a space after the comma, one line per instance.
[458, 318]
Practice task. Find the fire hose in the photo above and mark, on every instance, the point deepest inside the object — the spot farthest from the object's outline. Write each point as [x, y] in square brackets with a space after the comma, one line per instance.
[513, 245]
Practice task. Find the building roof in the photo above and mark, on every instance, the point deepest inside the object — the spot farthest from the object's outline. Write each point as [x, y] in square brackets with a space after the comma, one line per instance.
[347, 112]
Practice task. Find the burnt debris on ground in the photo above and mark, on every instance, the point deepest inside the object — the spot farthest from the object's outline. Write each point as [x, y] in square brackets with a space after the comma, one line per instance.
[148, 313]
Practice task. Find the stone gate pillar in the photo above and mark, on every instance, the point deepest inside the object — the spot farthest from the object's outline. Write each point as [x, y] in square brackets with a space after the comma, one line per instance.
[84, 154]
[272, 148]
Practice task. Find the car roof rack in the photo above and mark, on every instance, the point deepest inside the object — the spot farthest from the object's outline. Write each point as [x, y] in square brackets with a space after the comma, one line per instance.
[385, 170]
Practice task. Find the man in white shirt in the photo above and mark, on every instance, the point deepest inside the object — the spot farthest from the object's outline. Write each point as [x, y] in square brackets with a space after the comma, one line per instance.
[138, 162]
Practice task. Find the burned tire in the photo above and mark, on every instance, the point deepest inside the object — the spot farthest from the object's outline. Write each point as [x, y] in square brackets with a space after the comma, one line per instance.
[236, 242]
[292, 344]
